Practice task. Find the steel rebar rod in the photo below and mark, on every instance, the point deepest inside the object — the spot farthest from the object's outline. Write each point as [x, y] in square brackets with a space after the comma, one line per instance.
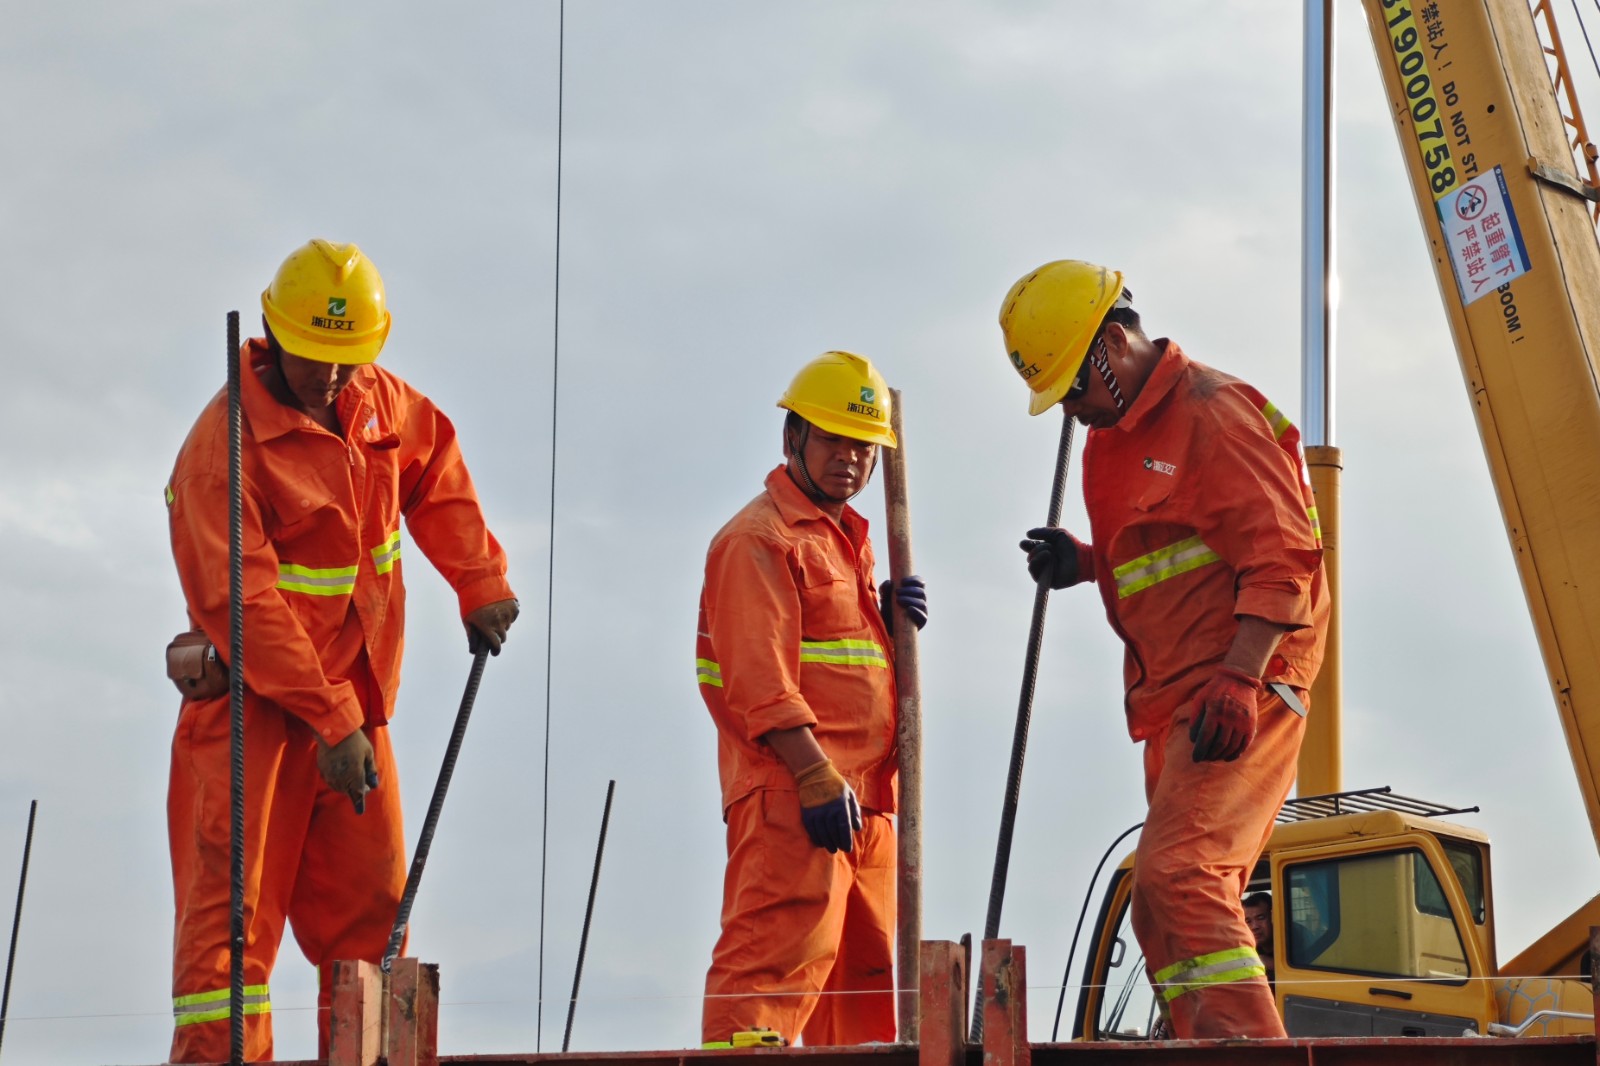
[1019, 739]
[235, 701]
[588, 914]
[16, 919]
[431, 823]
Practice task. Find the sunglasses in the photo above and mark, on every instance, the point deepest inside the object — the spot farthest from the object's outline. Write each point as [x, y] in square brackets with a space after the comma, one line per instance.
[1080, 384]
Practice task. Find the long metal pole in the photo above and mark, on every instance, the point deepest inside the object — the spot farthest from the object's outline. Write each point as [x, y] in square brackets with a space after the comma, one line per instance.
[435, 805]
[16, 919]
[235, 702]
[588, 914]
[908, 687]
[1321, 759]
[1019, 739]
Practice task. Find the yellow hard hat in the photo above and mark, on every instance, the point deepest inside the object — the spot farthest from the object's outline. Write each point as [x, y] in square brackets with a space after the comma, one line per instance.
[326, 303]
[1049, 317]
[843, 393]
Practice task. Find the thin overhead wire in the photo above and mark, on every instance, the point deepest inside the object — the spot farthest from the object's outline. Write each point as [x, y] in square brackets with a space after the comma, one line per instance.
[550, 574]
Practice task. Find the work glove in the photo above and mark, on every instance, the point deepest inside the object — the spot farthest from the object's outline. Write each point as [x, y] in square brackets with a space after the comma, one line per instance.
[912, 595]
[349, 767]
[828, 807]
[1053, 557]
[487, 625]
[1225, 724]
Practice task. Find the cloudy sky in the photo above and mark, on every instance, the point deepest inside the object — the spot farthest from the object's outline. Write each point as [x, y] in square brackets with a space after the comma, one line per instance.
[743, 187]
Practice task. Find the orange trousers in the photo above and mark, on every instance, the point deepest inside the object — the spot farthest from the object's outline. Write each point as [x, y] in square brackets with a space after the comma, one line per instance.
[807, 945]
[1207, 825]
[336, 877]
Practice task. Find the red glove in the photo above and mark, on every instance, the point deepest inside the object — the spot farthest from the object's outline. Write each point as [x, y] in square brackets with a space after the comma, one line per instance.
[1226, 722]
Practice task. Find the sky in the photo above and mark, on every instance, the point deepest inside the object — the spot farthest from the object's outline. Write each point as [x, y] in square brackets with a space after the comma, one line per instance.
[741, 187]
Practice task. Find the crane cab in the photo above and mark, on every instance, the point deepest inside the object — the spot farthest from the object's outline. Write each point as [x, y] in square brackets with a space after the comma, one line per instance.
[1382, 925]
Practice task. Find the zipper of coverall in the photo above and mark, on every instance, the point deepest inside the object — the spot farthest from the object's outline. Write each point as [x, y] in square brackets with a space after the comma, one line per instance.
[1089, 449]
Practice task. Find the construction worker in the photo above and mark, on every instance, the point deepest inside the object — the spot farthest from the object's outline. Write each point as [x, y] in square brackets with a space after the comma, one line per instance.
[794, 661]
[1205, 547]
[335, 451]
[1258, 917]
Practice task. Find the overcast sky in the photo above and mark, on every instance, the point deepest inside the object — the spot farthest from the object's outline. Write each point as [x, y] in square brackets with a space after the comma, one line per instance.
[744, 186]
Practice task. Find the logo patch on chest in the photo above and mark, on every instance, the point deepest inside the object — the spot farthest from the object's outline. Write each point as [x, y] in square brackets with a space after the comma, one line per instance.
[1159, 467]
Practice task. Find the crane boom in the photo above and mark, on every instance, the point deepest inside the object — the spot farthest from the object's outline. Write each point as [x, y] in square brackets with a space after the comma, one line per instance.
[1494, 162]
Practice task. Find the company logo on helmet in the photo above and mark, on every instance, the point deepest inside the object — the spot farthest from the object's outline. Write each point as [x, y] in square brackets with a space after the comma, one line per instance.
[342, 324]
[336, 305]
[867, 394]
[864, 409]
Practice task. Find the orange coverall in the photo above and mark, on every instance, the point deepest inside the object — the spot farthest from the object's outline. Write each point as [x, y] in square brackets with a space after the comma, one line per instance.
[1200, 511]
[324, 609]
[790, 635]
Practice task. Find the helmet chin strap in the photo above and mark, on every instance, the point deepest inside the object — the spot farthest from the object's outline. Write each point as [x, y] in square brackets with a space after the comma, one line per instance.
[809, 487]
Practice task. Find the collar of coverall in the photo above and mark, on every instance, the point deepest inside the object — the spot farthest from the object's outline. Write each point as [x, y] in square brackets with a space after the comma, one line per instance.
[794, 506]
[268, 417]
[1169, 368]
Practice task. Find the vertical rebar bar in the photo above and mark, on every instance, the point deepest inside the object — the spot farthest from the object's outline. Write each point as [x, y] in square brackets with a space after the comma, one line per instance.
[1019, 739]
[236, 701]
[588, 914]
[16, 920]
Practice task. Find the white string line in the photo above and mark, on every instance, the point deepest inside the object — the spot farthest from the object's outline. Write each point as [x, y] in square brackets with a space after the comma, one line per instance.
[1298, 982]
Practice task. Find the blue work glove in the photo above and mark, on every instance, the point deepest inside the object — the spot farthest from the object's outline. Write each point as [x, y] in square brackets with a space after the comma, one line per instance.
[1053, 557]
[828, 807]
[912, 595]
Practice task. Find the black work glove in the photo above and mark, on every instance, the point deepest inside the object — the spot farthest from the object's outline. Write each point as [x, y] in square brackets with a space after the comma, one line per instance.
[912, 596]
[1053, 557]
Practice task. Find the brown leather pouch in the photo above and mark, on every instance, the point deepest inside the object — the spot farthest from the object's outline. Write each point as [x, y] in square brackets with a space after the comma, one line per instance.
[193, 666]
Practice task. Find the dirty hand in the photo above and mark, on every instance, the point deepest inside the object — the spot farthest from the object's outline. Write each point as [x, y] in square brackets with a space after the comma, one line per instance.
[349, 767]
[1053, 557]
[487, 625]
[911, 595]
[1225, 724]
[828, 807]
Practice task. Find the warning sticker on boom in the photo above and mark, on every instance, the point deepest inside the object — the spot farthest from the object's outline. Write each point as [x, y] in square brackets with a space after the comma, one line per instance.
[1481, 230]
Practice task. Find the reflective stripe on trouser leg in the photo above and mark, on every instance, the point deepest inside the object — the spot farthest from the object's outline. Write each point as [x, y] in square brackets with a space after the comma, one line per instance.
[216, 1005]
[279, 788]
[1202, 971]
[1205, 829]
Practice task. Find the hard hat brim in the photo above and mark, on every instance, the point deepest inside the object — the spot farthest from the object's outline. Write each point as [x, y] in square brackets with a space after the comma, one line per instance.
[298, 341]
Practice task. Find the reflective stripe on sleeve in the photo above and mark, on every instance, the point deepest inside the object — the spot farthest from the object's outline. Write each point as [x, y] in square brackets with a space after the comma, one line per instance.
[708, 673]
[844, 652]
[1316, 524]
[337, 581]
[1202, 971]
[214, 1006]
[1136, 575]
[385, 554]
[1277, 420]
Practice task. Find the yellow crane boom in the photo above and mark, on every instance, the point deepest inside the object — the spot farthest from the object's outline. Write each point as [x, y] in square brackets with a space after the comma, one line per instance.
[1502, 171]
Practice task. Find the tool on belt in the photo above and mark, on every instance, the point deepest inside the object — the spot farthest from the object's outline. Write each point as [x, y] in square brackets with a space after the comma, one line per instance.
[195, 668]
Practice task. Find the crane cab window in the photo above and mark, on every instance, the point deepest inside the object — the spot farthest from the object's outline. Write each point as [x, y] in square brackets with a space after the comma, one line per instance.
[1128, 1008]
[1384, 915]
